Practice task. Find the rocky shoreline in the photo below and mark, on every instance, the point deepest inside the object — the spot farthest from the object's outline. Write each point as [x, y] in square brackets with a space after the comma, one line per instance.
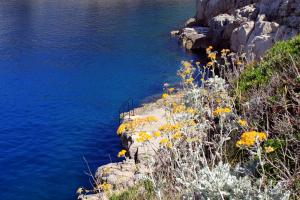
[250, 26]
[122, 175]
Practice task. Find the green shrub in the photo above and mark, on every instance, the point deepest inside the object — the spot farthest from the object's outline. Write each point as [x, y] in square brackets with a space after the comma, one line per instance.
[282, 55]
[141, 191]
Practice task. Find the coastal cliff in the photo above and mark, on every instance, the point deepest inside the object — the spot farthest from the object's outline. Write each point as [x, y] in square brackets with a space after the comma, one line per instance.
[231, 130]
[250, 26]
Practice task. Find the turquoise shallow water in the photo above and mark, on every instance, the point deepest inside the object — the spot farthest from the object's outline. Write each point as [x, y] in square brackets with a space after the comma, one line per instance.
[65, 68]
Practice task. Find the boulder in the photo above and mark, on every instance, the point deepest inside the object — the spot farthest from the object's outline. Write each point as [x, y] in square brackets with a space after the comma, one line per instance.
[261, 38]
[207, 9]
[221, 28]
[246, 25]
[192, 22]
[194, 38]
[240, 36]
[119, 175]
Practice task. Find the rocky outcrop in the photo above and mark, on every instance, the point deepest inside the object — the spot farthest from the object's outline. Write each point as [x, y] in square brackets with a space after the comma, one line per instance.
[251, 26]
[194, 38]
[123, 175]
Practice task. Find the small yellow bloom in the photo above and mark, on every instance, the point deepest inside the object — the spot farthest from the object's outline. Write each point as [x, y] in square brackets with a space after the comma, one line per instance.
[168, 128]
[239, 63]
[176, 135]
[242, 122]
[190, 110]
[209, 64]
[105, 187]
[156, 133]
[198, 63]
[249, 138]
[208, 49]
[220, 111]
[189, 81]
[164, 141]
[171, 90]
[164, 96]
[122, 153]
[121, 129]
[143, 137]
[186, 64]
[151, 119]
[269, 149]
[212, 56]
[177, 108]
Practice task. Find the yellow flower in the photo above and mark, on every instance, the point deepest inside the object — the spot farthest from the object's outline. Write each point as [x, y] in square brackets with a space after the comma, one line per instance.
[242, 122]
[143, 137]
[121, 129]
[166, 142]
[212, 56]
[151, 119]
[177, 108]
[269, 149]
[220, 111]
[190, 110]
[176, 135]
[249, 138]
[169, 128]
[156, 134]
[190, 122]
[197, 63]
[189, 81]
[208, 49]
[209, 64]
[239, 63]
[164, 96]
[105, 187]
[186, 64]
[171, 90]
[122, 153]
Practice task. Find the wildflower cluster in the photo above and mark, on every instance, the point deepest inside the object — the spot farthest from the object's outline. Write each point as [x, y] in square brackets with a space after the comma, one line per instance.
[249, 139]
[200, 137]
[133, 124]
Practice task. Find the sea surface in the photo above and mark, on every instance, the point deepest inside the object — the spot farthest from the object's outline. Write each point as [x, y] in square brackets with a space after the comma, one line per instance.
[66, 66]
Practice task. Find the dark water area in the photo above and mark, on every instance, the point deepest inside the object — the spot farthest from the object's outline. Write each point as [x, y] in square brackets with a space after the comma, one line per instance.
[65, 68]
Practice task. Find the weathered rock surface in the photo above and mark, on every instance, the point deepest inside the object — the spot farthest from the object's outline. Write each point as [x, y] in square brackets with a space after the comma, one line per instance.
[194, 38]
[252, 26]
[125, 174]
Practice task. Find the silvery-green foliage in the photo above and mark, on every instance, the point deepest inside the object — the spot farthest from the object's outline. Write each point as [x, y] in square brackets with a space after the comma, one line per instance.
[221, 183]
[216, 84]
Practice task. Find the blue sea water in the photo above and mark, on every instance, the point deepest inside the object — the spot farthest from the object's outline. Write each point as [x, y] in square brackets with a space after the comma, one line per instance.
[65, 68]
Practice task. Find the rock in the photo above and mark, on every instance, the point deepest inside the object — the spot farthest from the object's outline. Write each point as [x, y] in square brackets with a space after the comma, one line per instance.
[249, 12]
[221, 28]
[258, 46]
[247, 25]
[240, 36]
[284, 32]
[192, 22]
[119, 175]
[261, 39]
[207, 9]
[175, 32]
[100, 196]
[194, 38]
